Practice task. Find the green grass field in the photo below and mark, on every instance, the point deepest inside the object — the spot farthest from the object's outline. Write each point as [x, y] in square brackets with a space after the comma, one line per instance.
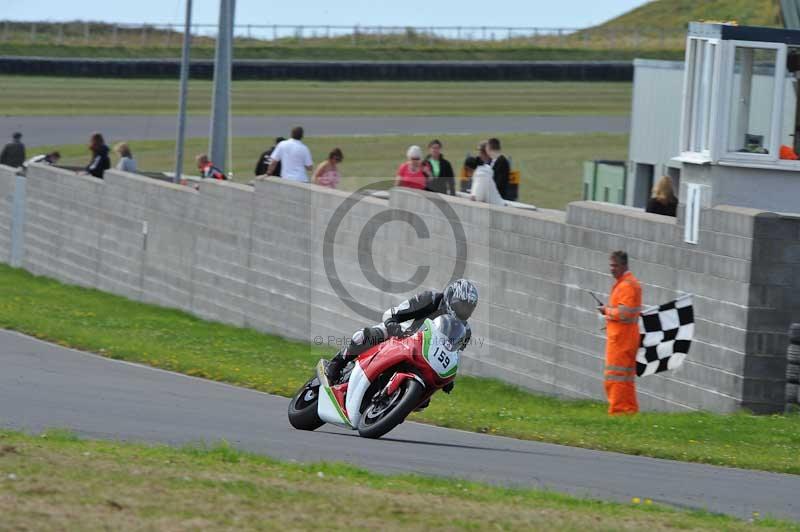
[50, 96]
[122, 329]
[551, 164]
[55, 481]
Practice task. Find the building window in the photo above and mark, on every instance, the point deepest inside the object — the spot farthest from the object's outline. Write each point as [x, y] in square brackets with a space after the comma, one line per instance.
[702, 65]
[752, 101]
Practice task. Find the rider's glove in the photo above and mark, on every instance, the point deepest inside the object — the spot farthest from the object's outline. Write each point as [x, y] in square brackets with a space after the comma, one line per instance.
[393, 328]
[449, 387]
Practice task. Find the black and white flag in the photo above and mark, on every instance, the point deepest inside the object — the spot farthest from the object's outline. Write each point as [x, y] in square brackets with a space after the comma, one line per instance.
[666, 335]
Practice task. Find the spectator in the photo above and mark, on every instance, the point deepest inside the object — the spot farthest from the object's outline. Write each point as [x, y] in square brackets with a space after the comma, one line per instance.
[126, 161]
[442, 176]
[622, 328]
[13, 153]
[413, 173]
[500, 166]
[466, 173]
[327, 173]
[483, 187]
[294, 156]
[44, 158]
[265, 158]
[483, 152]
[207, 168]
[100, 161]
[663, 200]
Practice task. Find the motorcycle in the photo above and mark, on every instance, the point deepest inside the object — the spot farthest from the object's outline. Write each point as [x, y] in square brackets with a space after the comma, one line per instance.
[382, 386]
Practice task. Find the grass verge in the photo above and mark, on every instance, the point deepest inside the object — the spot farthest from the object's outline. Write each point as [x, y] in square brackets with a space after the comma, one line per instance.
[56, 481]
[173, 340]
[320, 50]
[50, 96]
[551, 164]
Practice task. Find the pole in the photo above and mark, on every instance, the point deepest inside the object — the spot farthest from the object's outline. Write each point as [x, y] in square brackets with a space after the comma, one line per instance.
[187, 39]
[218, 143]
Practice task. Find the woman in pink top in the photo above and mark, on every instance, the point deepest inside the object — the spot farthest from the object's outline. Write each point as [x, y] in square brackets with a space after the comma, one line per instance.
[327, 173]
[413, 173]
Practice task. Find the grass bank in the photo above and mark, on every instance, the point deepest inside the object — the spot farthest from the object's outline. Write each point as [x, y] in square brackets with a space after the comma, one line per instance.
[56, 481]
[551, 164]
[51, 96]
[173, 340]
[320, 50]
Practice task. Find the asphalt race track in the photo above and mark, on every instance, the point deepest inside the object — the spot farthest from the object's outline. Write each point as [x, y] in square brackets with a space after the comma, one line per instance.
[46, 130]
[46, 386]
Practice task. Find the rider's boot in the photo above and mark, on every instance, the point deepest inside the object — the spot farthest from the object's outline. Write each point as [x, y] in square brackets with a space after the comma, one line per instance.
[334, 368]
[362, 340]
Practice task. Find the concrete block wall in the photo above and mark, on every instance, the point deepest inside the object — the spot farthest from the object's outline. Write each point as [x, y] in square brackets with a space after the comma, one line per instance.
[262, 257]
[7, 185]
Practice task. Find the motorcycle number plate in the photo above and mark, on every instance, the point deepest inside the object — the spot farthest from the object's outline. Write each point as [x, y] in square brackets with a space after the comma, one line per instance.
[442, 361]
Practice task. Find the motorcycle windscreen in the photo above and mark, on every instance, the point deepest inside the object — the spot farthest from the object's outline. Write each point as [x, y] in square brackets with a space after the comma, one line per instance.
[328, 408]
[441, 341]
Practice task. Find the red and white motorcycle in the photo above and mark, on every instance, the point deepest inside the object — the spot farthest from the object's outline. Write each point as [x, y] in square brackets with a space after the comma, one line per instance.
[380, 388]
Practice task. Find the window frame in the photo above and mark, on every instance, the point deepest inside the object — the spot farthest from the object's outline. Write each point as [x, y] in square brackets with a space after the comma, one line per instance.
[698, 129]
[722, 152]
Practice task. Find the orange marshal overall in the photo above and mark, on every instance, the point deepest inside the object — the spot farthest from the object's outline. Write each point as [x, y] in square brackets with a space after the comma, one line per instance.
[622, 319]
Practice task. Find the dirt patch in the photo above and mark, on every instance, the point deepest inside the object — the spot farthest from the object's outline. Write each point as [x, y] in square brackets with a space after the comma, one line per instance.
[8, 449]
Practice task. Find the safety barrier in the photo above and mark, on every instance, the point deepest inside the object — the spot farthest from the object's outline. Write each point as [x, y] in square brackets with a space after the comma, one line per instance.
[330, 70]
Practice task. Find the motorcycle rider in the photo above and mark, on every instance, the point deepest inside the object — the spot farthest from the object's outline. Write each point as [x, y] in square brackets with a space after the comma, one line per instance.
[458, 299]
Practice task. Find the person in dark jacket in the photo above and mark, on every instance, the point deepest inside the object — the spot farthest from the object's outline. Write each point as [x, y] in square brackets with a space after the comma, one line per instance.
[442, 177]
[100, 160]
[265, 158]
[500, 167]
[13, 153]
[663, 200]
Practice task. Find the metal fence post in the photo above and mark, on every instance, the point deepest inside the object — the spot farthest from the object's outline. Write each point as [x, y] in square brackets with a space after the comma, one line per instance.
[144, 34]
[32, 37]
[355, 34]
[60, 37]
[86, 33]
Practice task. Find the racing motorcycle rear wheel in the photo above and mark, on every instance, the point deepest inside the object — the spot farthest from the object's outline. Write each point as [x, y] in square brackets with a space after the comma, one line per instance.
[303, 407]
[383, 413]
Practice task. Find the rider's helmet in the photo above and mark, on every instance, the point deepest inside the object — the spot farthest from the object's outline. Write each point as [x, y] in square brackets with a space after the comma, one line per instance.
[460, 298]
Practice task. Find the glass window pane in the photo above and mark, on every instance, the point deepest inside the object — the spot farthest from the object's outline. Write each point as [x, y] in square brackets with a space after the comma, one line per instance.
[753, 95]
[695, 133]
[707, 92]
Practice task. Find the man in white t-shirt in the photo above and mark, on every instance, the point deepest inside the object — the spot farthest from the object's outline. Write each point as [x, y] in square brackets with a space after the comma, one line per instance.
[294, 156]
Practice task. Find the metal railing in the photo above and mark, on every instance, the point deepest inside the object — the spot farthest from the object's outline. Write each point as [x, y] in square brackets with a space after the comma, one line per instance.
[170, 35]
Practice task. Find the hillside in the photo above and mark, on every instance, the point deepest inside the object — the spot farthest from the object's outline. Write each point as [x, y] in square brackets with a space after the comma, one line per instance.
[654, 30]
[673, 15]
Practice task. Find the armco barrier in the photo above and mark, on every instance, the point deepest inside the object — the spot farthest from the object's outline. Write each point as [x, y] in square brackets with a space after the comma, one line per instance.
[262, 257]
[330, 70]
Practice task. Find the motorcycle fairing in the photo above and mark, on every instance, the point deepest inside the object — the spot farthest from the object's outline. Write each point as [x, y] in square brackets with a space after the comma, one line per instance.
[357, 387]
[438, 352]
[328, 408]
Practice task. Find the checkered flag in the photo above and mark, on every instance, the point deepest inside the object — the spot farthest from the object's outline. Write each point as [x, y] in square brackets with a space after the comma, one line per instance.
[666, 335]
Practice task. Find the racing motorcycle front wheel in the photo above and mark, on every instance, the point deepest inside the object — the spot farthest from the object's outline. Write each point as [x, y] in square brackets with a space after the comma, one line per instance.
[303, 407]
[383, 413]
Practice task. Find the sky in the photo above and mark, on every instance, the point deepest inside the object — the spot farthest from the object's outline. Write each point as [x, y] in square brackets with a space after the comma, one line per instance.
[519, 13]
